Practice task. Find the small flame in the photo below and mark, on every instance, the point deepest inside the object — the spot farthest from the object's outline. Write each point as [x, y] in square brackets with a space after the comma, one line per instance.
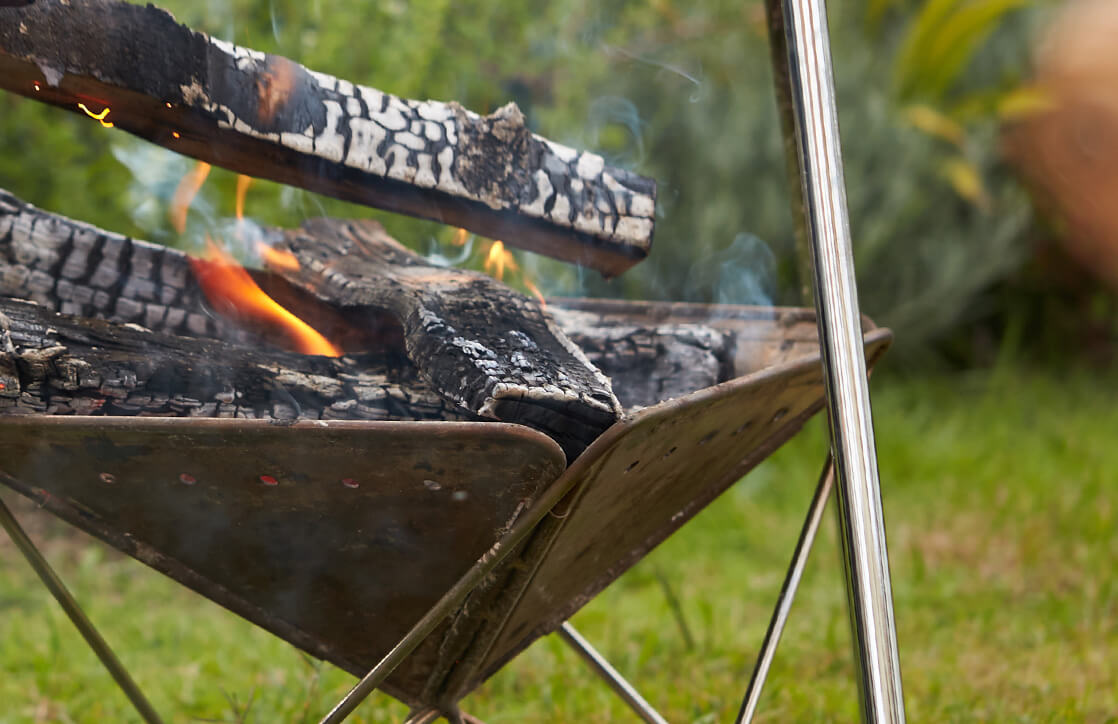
[460, 237]
[176, 134]
[37, 86]
[498, 260]
[230, 289]
[185, 193]
[243, 183]
[536, 291]
[277, 258]
[100, 117]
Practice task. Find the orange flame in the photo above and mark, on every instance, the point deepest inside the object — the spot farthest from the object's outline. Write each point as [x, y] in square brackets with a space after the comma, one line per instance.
[498, 260]
[99, 117]
[185, 193]
[277, 258]
[536, 291]
[243, 183]
[232, 292]
[460, 236]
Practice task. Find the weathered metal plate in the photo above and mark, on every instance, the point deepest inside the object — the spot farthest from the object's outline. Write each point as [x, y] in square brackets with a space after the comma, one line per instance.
[651, 473]
[336, 536]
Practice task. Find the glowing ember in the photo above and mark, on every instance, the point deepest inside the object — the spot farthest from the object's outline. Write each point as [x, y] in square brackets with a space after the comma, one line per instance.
[268, 480]
[100, 117]
[187, 479]
[185, 193]
[175, 134]
[498, 260]
[232, 292]
[460, 237]
[37, 86]
[243, 182]
[350, 483]
[280, 259]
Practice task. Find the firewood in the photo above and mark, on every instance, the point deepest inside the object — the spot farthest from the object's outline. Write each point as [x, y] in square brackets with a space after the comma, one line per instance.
[87, 272]
[485, 346]
[263, 115]
[57, 364]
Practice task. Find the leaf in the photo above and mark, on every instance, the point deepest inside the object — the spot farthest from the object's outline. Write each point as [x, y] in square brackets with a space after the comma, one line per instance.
[934, 123]
[943, 39]
[956, 42]
[1023, 102]
[966, 180]
[912, 58]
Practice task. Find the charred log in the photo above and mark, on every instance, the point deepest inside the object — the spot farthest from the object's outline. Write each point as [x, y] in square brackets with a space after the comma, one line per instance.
[267, 116]
[54, 363]
[485, 346]
[83, 271]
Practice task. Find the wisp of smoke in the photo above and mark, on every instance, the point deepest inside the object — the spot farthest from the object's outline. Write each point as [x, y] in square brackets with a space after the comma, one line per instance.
[742, 273]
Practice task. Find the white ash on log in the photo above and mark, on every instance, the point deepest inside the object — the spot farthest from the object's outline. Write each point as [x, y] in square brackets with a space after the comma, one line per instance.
[649, 363]
[87, 272]
[57, 364]
[267, 116]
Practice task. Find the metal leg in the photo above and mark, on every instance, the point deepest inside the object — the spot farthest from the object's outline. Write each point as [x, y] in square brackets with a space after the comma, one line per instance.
[423, 716]
[53, 583]
[787, 593]
[810, 90]
[611, 676]
[450, 600]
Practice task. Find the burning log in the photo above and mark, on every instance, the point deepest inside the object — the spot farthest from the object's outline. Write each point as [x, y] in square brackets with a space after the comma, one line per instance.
[488, 365]
[57, 364]
[135, 68]
[483, 345]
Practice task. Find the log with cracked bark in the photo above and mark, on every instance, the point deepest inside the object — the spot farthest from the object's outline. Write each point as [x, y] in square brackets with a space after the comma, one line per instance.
[58, 364]
[485, 346]
[80, 270]
[267, 116]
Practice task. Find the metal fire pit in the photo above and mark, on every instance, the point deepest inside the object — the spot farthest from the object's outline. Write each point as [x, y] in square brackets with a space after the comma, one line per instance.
[337, 535]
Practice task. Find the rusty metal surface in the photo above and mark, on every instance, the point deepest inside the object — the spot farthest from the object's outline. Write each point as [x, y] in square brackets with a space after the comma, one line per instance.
[367, 524]
[650, 474]
[336, 536]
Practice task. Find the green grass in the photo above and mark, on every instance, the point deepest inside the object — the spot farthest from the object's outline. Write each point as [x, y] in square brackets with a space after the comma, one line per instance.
[999, 495]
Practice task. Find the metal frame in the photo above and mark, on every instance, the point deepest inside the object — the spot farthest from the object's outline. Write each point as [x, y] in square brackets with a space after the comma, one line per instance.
[806, 99]
[66, 600]
[602, 667]
[805, 96]
[807, 93]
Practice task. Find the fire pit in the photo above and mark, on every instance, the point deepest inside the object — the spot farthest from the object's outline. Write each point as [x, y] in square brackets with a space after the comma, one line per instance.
[444, 444]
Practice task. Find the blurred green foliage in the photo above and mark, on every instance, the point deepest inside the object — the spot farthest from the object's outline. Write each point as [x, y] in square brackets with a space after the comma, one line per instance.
[679, 91]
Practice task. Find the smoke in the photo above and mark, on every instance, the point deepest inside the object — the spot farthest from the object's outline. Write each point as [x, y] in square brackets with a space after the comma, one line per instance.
[156, 173]
[742, 273]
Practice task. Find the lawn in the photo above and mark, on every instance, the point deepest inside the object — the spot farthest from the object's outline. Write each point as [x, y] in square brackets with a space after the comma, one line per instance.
[999, 497]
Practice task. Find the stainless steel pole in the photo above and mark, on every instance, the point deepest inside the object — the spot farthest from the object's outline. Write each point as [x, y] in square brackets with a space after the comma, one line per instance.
[604, 669]
[787, 593]
[811, 91]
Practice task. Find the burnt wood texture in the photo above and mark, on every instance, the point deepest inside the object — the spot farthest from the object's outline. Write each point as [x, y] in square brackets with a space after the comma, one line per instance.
[56, 364]
[267, 116]
[483, 345]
